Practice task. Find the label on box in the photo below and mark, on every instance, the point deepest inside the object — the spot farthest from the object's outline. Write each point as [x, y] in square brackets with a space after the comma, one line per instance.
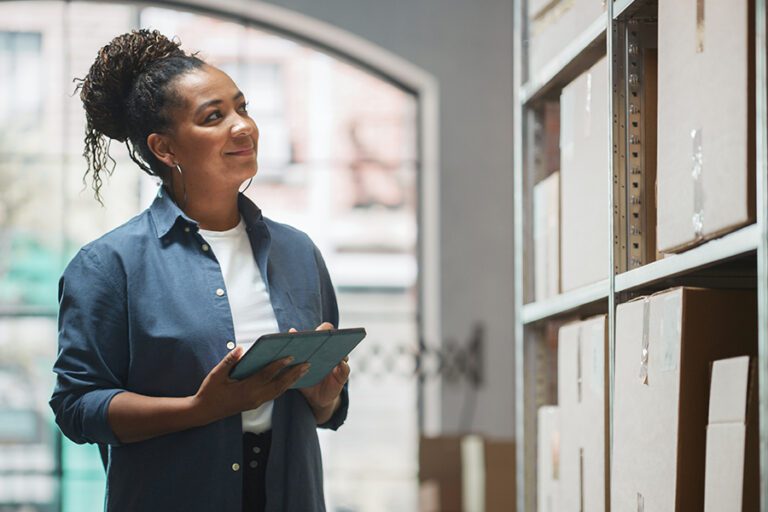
[669, 338]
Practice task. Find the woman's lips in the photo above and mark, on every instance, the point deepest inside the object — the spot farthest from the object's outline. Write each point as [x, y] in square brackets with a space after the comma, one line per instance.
[242, 152]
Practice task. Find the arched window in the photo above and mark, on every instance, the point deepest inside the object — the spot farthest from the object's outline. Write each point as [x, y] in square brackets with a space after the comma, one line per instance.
[339, 158]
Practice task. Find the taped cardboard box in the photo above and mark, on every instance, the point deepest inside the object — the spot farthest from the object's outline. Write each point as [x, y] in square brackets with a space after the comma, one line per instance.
[546, 237]
[466, 474]
[732, 476]
[584, 179]
[664, 346]
[554, 24]
[706, 118]
[548, 459]
[581, 382]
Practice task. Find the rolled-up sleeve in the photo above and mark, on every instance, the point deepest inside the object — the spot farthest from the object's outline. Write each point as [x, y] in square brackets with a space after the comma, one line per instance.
[330, 314]
[92, 359]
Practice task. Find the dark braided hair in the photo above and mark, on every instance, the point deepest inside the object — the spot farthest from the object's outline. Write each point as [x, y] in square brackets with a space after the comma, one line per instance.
[127, 96]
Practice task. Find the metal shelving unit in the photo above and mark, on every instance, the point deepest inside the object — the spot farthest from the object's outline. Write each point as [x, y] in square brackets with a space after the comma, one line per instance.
[737, 259]
[584, 298]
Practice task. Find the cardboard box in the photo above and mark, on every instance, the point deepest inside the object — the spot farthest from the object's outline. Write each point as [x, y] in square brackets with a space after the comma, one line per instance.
[732, 475]
[440, 474]
[585, 178]
[554, 24]
[706, 117]
[581, 382]
[466, 474]
[664, 346]
[548, 459]
[546, 237]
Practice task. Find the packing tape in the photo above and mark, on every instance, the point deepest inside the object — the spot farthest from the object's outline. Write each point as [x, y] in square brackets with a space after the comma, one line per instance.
[669, 349]
[579, 376]
[644, 346]
[699, 26]
[549, 15]
[697, 168]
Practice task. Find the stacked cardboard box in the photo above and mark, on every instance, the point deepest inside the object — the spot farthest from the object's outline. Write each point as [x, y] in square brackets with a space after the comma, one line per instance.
[585, 179]
[548, 459]
[554, 24]
[546, 237]
[733, 464]
[664, 346]
[466, 474]
[581, 381]
[706, 176]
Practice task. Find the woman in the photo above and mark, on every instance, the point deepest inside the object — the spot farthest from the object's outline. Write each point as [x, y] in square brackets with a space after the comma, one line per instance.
[154, 314]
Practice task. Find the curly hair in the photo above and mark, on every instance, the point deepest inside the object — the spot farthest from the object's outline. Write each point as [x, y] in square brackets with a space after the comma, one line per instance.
[127, 95]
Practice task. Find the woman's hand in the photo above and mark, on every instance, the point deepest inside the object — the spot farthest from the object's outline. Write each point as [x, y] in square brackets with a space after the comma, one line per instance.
[220, 396]
[324, 396]
[135, 417]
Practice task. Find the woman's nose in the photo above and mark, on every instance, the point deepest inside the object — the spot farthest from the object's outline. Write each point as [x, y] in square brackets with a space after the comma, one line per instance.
[242, 127]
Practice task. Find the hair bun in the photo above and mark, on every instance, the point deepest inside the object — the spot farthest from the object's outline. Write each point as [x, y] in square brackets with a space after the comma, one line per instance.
[105, 89]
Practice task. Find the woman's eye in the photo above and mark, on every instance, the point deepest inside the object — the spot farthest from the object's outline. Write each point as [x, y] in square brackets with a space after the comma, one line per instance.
[212, 116]
[244, 107]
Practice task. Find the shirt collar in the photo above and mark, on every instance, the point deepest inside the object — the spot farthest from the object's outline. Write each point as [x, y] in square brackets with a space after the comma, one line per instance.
[166, 212]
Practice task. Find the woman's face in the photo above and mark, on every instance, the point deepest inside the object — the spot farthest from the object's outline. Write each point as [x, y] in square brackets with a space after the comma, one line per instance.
[213, 139]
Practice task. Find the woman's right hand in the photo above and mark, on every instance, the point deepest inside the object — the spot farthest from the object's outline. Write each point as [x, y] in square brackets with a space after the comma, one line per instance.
[220, 396]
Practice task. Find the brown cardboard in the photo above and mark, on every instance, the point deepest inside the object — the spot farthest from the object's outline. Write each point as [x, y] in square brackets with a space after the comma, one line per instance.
[548, 459]
[499, 476]
[584, 179]
[649, 144]
[546, 237]
[440, 474]
[661, 395]
[581, 382]
[732, 466]
[455, 476]
[554, 25]
[705, 120]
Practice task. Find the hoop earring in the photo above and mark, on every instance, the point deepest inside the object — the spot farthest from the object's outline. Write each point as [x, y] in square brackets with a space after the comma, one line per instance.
[248, 185]
[183, 184]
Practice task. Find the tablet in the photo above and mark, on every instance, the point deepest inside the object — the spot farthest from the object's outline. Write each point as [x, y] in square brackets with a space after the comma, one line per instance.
[322, 349]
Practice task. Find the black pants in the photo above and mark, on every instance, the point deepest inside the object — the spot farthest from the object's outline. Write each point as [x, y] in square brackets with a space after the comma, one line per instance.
[255, 456]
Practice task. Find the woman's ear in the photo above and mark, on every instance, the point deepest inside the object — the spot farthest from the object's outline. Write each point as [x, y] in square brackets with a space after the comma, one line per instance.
[161, 148]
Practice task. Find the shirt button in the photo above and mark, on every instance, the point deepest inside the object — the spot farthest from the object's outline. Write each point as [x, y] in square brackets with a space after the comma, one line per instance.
[253, 464]
[256, 449]
[219, 292]
[230, 345]
[186, 229]
[205, 247]
[235, 467]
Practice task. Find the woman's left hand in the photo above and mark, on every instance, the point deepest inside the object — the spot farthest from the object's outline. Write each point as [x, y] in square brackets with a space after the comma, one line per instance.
[323, 397]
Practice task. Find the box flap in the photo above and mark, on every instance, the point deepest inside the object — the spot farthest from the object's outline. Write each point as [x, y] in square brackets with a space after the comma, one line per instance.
[728, 391]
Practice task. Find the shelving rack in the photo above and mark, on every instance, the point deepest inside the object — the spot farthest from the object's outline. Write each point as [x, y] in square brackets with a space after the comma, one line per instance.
[739, 259]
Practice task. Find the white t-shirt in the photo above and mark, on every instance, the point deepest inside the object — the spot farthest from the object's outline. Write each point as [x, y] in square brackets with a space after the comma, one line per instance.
[252, 312]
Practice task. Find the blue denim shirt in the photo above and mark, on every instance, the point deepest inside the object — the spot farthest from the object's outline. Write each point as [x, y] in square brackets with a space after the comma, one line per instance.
[142, 310]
